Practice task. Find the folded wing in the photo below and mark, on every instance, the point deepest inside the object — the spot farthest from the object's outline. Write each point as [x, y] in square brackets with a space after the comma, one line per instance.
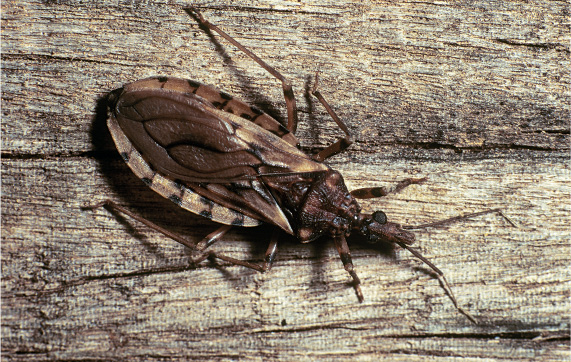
[220, 156]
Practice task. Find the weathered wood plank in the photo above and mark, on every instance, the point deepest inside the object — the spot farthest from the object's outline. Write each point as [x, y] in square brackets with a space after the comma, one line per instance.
[475, 96]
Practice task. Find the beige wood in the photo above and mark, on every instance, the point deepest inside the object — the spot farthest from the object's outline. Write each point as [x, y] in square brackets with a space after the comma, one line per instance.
[475, 96]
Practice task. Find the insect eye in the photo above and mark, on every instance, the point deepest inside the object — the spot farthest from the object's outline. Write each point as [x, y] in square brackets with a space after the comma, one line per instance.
[380, 217]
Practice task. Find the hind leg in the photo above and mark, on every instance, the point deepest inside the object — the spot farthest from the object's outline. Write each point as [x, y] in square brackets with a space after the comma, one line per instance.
[201, 247]
[292, 118]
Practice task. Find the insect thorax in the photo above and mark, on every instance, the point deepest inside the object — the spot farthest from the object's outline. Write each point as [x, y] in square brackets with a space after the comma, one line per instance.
[319, 206]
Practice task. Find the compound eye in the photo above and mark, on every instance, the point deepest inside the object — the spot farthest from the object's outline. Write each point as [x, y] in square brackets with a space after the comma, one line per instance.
[380, 217]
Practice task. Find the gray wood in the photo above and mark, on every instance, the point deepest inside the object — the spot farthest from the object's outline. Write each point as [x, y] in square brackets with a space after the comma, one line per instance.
[475, 96]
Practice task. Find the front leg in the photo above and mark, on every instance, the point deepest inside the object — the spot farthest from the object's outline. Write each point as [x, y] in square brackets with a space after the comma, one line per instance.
[345, 254]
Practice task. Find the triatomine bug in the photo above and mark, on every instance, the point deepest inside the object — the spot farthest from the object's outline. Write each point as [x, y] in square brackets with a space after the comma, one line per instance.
[222, 159]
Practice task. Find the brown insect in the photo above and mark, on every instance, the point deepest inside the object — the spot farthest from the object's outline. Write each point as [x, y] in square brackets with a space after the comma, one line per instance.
[220, 158]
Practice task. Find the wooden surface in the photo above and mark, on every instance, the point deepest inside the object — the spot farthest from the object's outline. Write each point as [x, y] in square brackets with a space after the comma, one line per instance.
[475, 96]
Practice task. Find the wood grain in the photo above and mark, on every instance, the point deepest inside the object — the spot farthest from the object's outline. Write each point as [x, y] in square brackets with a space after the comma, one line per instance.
[475, 96]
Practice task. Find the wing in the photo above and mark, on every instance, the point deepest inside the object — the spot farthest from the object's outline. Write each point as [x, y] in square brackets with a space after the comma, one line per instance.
[218, 155]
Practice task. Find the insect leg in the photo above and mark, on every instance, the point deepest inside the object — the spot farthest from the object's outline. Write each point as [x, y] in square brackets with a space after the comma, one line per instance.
[292, 118]
[212, 237]
[205, 255]
[345, 254]
[372, 192]
[341, 143]
[115, 207]
[234, 261]
[271, 252]
[268, 259]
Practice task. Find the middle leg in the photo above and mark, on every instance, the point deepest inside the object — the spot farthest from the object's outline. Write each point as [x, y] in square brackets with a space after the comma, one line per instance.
[373, 192]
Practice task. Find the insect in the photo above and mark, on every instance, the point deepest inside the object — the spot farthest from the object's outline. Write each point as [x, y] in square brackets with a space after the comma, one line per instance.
[218, 157]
